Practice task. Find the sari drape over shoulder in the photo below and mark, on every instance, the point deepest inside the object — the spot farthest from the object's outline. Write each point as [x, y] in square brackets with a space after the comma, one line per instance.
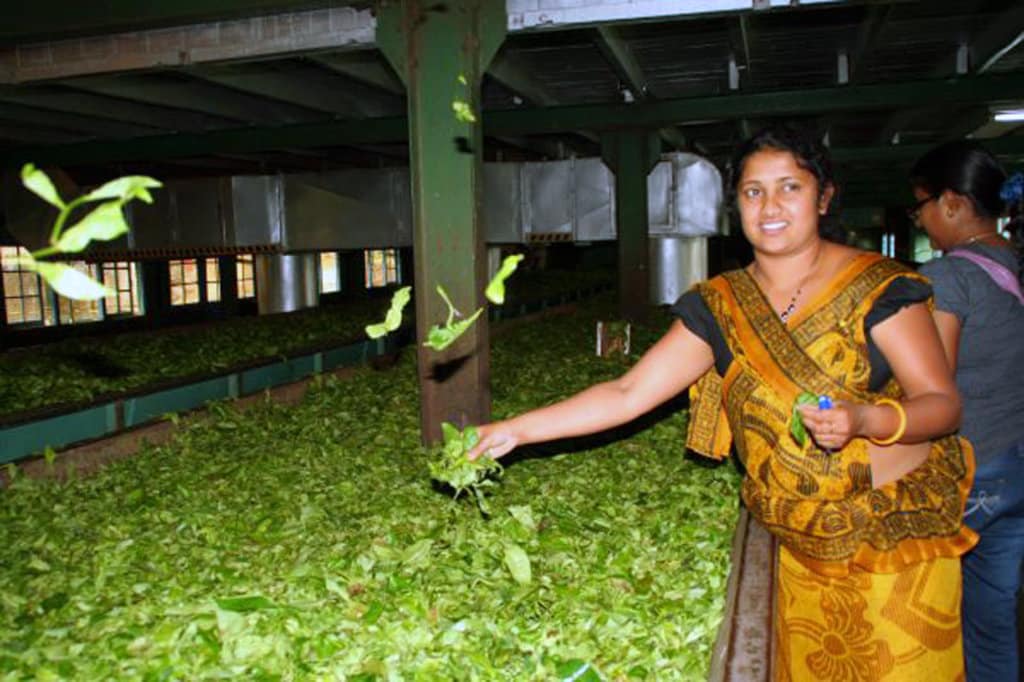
[822, 505]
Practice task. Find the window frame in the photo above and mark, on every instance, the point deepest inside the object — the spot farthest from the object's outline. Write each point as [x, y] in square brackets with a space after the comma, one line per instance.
[48, 316]
[386, 272]
[133, 290]
[337, 273]
[244, 261]
[183, 284]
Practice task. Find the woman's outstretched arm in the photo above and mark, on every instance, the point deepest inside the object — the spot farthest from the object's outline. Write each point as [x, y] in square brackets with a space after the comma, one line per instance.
[677, 360]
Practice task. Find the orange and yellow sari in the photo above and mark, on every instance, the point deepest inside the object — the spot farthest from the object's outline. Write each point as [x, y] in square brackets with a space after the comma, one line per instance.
[868, 580]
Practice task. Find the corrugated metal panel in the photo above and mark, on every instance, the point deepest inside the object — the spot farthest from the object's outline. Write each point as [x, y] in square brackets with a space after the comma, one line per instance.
[548, 190]
[594, 197]
[502, 203]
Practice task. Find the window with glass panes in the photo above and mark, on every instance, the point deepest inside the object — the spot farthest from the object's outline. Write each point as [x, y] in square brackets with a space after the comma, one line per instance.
[330, 275]
[184, 275]
[122, 280]
[26, 300]
[212, 267]
[381, 267]
[245, 275]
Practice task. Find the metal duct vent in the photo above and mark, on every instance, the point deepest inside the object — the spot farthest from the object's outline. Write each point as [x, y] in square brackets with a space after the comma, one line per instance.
[574, 200]
[245, 214]
[676, 264]
[286, 282]
[570, 200]
[311, 213]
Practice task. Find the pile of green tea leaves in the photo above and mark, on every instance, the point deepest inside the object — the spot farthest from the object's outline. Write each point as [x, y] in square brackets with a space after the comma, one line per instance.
[81, 369]
[309, 542]
[78, 370]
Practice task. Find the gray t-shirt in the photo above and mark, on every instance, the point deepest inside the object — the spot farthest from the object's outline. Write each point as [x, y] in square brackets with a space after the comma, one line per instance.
[990, 359]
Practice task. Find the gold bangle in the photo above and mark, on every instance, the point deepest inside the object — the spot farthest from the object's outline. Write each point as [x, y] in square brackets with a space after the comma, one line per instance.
[900, 430]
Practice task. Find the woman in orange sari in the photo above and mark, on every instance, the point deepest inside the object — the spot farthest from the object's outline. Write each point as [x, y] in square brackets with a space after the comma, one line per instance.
[867, 511]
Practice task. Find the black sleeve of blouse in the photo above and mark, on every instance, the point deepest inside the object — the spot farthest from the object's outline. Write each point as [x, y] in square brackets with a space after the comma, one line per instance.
[695, 314]
[900, 293]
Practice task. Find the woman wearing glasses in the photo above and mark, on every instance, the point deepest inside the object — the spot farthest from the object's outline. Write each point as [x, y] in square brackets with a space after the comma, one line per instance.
[868, 512]
[980, 315]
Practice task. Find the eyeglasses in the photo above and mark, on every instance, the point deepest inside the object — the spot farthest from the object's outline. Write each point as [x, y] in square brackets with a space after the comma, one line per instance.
[914, 212]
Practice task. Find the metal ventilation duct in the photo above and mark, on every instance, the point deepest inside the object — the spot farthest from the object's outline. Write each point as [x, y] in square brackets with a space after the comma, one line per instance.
[571, 200]
[676, 264]
[574, 200]
[286, 282]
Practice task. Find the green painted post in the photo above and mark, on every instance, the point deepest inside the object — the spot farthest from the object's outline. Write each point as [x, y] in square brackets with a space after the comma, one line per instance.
[441, 51]
[631, 155]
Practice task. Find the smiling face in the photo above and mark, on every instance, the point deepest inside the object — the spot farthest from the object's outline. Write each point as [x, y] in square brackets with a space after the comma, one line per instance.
[780, 203]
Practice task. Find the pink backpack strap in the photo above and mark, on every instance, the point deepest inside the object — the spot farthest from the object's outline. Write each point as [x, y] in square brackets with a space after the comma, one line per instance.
[1000, 274]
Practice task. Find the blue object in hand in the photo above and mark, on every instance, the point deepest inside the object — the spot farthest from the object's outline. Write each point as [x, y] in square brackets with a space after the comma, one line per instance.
[824, 402]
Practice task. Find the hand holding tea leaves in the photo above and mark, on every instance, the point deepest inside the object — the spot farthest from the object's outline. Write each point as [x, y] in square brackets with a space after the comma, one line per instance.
[830, 432]
[452, 467]
[103, 223]
[796, 422]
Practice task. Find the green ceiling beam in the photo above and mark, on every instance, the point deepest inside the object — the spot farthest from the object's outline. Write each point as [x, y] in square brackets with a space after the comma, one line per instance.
[650, 115]
[659, 113]
[1009, 148]
[622, 60]
[22, 22]
[234, 140]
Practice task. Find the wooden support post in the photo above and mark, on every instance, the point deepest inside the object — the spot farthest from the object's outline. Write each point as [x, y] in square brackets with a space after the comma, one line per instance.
[631, 155]
[441, 51]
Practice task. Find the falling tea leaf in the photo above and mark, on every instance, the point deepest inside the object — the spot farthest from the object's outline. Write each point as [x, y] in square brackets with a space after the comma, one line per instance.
[495, 291]
[393, 318]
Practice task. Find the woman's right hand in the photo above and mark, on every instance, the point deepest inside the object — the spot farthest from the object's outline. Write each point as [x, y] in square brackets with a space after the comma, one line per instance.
[497, 439]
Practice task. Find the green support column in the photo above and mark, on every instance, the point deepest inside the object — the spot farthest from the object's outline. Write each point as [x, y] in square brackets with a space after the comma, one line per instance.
[441, 50]
[631, 155]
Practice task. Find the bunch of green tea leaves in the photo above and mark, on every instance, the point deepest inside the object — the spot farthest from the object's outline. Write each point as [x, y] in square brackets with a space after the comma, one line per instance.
[103, 223]
[450, 465]
[796, 421]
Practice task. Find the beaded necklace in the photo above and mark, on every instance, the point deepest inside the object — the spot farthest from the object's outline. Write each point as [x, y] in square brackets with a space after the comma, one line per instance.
[971, 240]
[790, 308]
[784, 315]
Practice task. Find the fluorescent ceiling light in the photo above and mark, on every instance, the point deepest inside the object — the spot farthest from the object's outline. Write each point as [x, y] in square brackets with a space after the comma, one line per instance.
[1008, 115]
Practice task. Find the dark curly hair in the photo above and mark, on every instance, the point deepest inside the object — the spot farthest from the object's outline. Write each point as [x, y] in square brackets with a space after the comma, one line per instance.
[809, 153]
